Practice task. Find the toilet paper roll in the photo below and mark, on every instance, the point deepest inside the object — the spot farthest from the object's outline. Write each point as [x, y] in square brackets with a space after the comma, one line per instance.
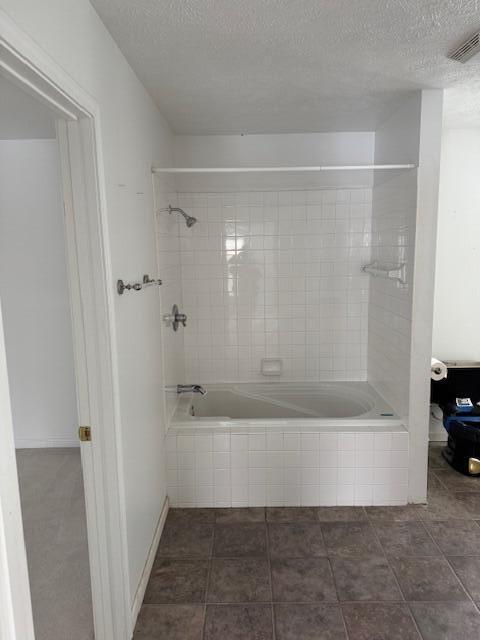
[438, 369]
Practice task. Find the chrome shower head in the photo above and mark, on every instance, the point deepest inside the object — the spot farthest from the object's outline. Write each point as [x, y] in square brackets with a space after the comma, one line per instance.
[189, 220]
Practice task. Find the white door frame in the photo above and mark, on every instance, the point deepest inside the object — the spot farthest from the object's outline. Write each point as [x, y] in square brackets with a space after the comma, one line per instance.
[92, 302]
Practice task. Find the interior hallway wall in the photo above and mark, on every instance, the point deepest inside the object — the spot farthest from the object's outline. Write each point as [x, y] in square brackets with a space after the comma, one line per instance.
[35, 296]
[457, 285]
[133, 136]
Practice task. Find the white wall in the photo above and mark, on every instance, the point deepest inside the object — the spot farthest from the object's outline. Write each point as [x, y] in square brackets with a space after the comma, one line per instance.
[423, 288]
[298, 149]
[35, 297]
[133, 136]
[457, 283]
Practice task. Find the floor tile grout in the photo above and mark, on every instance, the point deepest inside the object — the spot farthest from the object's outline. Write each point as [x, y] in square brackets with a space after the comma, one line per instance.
[269, 564]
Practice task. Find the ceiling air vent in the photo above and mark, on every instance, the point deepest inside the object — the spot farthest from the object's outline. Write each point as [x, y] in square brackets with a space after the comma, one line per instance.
[467, 50]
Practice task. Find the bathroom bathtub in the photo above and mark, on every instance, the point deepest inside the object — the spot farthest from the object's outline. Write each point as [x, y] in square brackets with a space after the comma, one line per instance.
[296, 405]
[286, 444]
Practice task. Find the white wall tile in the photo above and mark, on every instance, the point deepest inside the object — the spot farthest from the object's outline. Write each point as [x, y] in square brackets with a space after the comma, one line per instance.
[185, 443]
[310, 475]
[327, 459]
[221, 459]
[185, 477]
[257, 459]
[369, 473]
[239, 459]
[328, 442]
[390, 306]
[275, 495]
[346, 441]
[327, 495]
[240, 495]
[203, 442]
[256, 441]
[346, 458]
[234, 259]
[274, 441]
[186, 460]
[309, 442]
[291, 441]
[221, 442]
[239, 442]
[364, 458]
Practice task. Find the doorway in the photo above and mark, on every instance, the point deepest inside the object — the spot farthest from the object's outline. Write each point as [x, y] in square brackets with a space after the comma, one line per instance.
[98, 517]
[41, 369]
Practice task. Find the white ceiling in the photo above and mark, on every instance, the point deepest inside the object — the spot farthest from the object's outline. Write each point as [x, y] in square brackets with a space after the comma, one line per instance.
[21, 116]
[262, 66]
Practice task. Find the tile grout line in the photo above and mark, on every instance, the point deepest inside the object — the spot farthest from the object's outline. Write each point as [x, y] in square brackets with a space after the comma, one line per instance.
[397, 581]
[339, 604]
[209, 573]
[387, 560]
[270, 578]
[407, 604]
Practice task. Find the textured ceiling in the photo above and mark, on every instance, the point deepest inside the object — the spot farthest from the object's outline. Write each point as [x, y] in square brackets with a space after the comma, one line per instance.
[260, 66]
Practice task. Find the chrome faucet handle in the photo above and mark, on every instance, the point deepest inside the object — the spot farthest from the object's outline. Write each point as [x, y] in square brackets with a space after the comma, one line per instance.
[191, 388]
[181, 318]
[175, 318]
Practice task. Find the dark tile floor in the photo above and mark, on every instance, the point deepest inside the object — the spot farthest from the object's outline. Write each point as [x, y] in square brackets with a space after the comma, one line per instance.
[330, 573]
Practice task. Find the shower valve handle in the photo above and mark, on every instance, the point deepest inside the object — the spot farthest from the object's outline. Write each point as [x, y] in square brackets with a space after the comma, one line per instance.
[181, 318]
[175, 318]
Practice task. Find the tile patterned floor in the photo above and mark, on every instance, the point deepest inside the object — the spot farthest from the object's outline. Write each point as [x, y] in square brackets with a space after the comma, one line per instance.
[330, 573]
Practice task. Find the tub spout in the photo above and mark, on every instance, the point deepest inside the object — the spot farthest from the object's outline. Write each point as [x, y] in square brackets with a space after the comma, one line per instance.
[191, 388]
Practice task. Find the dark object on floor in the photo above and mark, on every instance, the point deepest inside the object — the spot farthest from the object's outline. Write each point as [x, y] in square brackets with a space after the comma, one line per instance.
[462, 451]
[463, 427]
[463, 448]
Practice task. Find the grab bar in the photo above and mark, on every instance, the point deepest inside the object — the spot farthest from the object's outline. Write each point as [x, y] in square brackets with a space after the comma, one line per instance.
[137, 286]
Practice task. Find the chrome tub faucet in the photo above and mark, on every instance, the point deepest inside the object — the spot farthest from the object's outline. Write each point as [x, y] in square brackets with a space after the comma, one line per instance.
[191, 388]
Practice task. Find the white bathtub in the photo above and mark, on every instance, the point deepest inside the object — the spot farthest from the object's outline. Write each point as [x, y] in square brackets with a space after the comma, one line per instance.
[286, 444]
[296, 405]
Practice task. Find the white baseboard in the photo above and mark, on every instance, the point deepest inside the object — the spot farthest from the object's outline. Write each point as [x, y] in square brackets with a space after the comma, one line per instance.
[142, 585]
[46, 443]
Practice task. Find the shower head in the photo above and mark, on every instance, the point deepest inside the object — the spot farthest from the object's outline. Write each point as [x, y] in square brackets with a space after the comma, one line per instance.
[189, 220]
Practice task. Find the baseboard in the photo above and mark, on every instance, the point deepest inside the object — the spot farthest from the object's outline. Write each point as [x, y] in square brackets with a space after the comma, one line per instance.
[46, 443]
[142, 585]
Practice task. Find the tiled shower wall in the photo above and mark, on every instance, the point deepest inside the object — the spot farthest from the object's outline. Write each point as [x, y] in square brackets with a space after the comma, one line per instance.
[274, 274]
[390, 307]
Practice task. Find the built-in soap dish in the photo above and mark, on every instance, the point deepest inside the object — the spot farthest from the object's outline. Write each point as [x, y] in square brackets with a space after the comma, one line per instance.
[272, 366]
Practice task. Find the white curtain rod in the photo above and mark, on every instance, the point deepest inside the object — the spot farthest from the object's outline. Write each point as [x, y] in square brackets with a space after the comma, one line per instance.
[354, 167]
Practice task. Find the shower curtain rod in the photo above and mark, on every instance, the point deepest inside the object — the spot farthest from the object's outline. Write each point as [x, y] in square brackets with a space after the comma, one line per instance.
[352, 167]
